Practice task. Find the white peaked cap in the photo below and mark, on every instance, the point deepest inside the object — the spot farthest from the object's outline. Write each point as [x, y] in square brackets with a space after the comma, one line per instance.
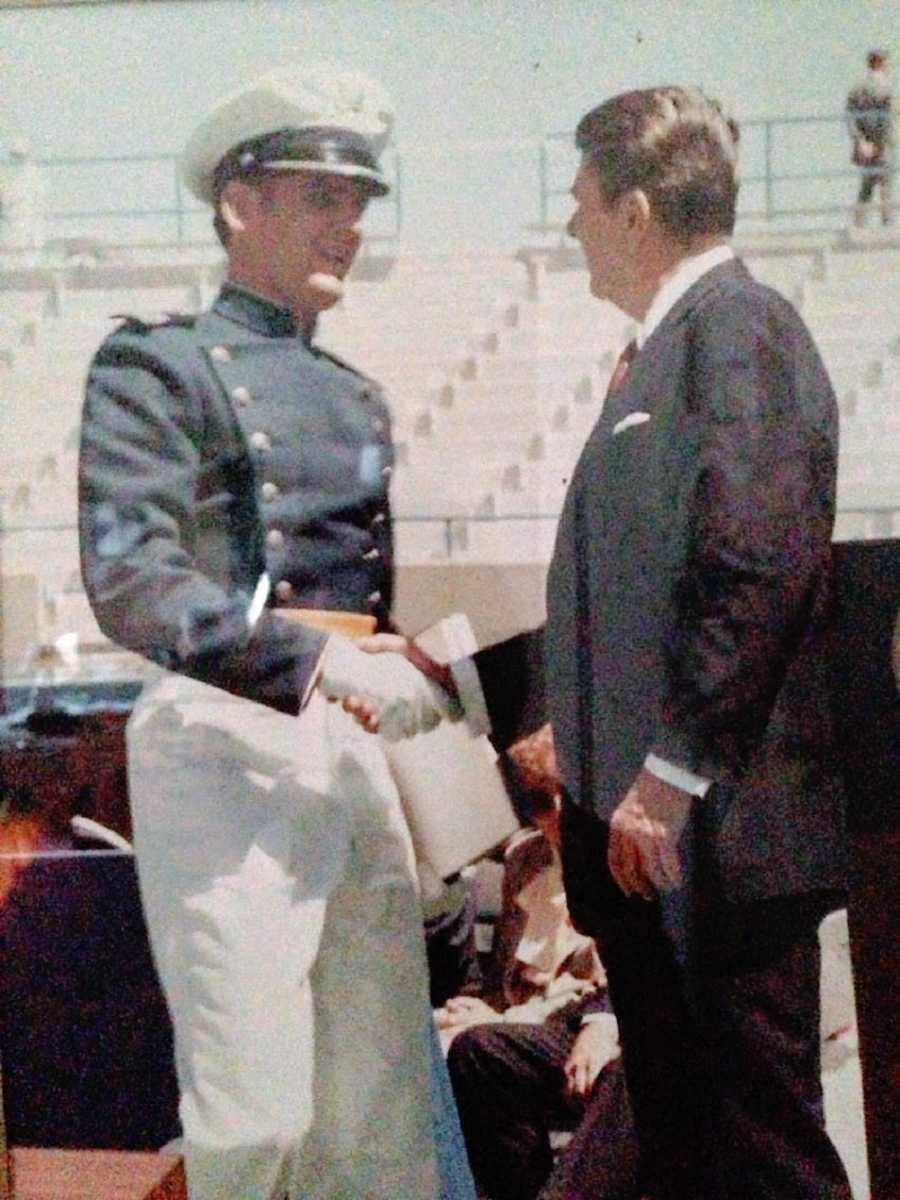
[350, 116]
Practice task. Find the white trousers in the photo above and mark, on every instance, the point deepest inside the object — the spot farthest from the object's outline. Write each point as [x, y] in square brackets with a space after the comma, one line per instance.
[278, 884]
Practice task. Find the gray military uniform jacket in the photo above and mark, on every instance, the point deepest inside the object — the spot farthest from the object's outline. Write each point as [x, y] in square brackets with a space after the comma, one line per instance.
[225, 457]
[689, 591]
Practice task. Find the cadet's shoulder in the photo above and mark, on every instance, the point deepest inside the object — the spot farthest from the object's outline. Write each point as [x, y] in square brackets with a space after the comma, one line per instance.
[169, 337]
[336, 360]
[165, 327]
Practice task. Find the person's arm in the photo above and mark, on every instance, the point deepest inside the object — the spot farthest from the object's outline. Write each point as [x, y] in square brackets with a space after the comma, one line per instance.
[511, 676]
[760, 435]
[141, 511]
[596, 1045]
[759, 524]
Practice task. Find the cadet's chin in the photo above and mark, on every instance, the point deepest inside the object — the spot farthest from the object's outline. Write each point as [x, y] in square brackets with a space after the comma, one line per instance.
[327, 287]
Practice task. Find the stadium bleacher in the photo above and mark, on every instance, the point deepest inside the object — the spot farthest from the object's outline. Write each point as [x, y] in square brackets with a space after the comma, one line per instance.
[495, 367]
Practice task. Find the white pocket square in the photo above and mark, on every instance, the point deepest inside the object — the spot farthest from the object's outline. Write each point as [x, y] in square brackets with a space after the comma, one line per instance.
[635, 418]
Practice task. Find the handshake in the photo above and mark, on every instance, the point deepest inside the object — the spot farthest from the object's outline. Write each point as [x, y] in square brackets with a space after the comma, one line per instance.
[389, 684]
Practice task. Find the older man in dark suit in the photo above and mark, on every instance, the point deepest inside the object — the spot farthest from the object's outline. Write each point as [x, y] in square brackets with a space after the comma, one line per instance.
[679, 665]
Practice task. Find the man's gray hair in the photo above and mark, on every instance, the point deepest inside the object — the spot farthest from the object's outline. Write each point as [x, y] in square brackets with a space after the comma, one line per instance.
[676, 146]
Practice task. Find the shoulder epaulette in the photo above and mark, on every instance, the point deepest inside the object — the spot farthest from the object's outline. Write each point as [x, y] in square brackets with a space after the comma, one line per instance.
[135, 324]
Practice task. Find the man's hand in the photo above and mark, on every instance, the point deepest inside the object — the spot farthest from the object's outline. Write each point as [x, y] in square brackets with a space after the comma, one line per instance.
[596, 1045]
[384, 691]
[643, 837]
[460, 1011]
[366, 707]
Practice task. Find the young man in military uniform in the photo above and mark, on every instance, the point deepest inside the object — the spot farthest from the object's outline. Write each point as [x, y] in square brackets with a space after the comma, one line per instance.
[234, 515]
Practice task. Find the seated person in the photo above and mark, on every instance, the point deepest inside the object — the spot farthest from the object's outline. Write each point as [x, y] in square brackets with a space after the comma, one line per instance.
[528, 1054]
[453, 966]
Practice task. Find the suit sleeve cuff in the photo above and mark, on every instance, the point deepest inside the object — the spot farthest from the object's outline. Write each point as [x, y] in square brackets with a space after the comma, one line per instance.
[679, 777]
[471, 695]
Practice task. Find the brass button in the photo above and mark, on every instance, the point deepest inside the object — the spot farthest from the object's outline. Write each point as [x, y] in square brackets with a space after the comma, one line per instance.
[270, 491]
[284, 589]
[220, 354]
[274, 539]
[240, 395]
[378, 425]
[260, 440]
[371, 555]
[374, 598]
[379, 518]
[387, 472]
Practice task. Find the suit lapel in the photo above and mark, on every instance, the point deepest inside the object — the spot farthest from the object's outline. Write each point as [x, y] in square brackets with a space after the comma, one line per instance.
[635, 396]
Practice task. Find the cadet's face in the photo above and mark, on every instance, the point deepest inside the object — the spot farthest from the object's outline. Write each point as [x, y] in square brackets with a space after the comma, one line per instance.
[307, 232]
[599, 226]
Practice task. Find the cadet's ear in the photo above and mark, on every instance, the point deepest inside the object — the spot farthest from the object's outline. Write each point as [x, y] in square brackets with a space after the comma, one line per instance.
[238, 204]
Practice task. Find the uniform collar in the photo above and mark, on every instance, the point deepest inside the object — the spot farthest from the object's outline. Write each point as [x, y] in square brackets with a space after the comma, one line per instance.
[679, 281]
[239, 304]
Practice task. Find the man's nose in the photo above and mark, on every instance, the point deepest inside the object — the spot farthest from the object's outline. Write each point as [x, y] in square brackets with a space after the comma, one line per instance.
[350, 222]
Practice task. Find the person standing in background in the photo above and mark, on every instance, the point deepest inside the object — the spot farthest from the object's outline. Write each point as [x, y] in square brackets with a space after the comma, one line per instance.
[870, 120]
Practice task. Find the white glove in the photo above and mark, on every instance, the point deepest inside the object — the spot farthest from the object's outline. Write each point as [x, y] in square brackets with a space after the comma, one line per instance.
[404, 701]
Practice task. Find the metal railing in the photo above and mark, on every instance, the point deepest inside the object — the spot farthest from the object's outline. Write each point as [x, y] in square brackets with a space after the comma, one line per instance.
[158, 174]
[448, 525]
[772, 187]
[766, 142]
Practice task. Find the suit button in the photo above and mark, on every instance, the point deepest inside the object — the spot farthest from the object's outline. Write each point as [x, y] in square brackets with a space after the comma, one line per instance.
[371, 555]
[284, 589]
[274, 539]
[260, 440]
[379, 519]
[387, 472]
[374, 598]
[378, 425]
[220, 354]
[270, 491]
[240, 395]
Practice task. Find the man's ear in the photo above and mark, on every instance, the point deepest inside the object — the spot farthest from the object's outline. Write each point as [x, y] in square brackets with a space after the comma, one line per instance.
[636, 211]
[238, 205]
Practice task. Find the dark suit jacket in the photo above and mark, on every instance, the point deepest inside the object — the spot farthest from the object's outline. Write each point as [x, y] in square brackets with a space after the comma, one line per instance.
[689, 590]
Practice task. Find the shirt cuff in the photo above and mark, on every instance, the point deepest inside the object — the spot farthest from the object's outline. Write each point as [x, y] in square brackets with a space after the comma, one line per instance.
[678, 777]
[471, 695]
[606, 1018]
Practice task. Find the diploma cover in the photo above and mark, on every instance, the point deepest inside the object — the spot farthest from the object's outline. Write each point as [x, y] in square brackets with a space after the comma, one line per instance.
[453, 794]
